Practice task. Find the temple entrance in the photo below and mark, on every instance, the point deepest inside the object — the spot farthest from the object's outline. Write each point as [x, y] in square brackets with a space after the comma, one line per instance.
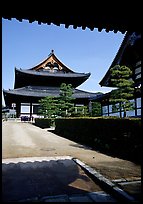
[29, 109]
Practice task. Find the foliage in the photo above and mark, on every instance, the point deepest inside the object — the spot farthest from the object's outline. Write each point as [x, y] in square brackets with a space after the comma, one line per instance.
[65, 102]
[80, 111]
[44, 122]
[121, 77]
[63, 105]
[58, 106]
[48, 106]
[96, 109]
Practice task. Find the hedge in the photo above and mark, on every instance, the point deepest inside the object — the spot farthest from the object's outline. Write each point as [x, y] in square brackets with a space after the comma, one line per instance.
[43, 122]
[119, 137]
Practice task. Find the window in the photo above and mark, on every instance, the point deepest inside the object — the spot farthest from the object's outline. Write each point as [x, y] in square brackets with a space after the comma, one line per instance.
[130, 113]
[138, 101]
[105, 110]
[110, 108]
[36, 108]
[115, 114]
[138, 63]
[139, 112]
[138, 76]
[25, 108]
[138, 70]
[115, 107]
[133, 102]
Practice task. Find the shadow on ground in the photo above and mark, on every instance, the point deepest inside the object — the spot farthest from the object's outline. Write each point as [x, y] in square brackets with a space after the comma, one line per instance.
[80, 146]
[46, 178]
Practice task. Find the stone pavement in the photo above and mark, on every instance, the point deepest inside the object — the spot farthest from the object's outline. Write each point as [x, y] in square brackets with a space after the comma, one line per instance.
[88, 197]
[29, 152]
[56, 179]
[27, 140]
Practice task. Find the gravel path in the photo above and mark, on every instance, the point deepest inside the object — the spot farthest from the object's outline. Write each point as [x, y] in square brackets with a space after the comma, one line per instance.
[21, 139]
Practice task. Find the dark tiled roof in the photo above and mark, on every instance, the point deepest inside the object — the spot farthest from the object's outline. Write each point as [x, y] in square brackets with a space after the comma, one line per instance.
[43, 78]
[129, 40]
[115, 16]
[100, 97]
[55, 74]
[41, 91]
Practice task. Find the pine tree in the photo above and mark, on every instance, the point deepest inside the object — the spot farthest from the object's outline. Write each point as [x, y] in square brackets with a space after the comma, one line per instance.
[96, 109]
[48, 106]
[65, 102]
[121, 77]
[58, 106]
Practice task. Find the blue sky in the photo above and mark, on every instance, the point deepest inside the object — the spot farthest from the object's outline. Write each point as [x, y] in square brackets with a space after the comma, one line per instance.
[25, 45]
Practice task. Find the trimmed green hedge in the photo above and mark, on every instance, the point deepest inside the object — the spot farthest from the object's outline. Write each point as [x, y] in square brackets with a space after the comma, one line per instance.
[43, 122]
[119, 137]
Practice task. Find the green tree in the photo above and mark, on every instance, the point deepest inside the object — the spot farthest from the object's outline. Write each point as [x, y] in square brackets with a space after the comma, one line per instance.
[96, 109]
[80, 111]
[48, 106]
[121, 77]
[58, 106]
[65, 102]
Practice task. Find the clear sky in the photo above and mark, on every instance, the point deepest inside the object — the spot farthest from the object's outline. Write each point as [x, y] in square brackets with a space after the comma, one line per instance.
[25, 45]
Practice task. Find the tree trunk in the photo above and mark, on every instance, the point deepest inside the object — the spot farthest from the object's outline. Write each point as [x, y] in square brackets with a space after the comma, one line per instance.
[124, 114]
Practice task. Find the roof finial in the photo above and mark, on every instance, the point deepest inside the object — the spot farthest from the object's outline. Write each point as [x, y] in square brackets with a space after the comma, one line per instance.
[52, 51]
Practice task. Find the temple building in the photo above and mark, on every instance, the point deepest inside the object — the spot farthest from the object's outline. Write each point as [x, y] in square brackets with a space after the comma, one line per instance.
[129, 54]
[44, 80]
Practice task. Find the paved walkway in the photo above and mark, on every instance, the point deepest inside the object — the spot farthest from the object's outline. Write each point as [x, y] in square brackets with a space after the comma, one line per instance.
[48, 179]
[23, 140]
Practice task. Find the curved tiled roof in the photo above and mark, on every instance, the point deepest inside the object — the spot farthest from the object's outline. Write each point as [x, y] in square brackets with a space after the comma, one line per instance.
[111, 16]
[129, 39]
[43, 78]
[41, 91]
[52, 74]
[49, 72]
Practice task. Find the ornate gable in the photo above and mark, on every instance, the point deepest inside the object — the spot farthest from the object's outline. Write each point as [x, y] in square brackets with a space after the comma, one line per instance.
[52, 64]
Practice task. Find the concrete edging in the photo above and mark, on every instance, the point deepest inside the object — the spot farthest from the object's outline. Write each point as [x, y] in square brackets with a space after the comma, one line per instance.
[33, 159]
[105, 183]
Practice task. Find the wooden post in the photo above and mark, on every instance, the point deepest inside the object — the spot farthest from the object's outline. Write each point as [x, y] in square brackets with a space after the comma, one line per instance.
[30, 111]
[18, 109]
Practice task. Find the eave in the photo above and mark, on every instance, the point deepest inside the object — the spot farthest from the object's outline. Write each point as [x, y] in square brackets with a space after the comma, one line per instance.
[127, 43]
[30, 77]
[40, 92]
[111, 17]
